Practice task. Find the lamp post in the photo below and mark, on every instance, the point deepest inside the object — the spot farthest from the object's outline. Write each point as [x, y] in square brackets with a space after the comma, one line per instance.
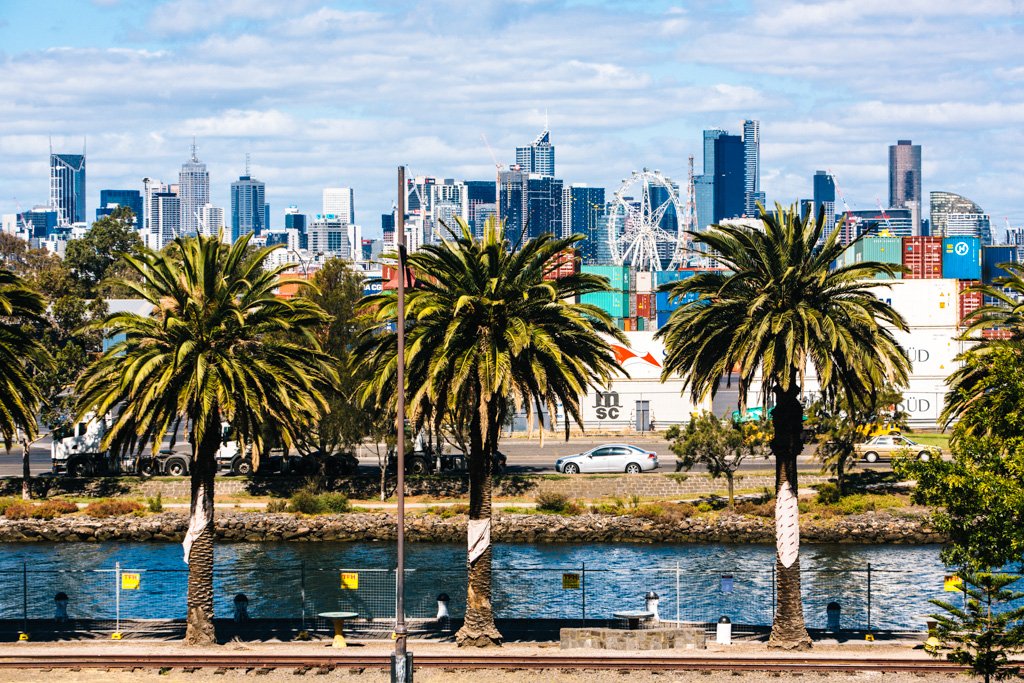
[311, 259]
[401, 660]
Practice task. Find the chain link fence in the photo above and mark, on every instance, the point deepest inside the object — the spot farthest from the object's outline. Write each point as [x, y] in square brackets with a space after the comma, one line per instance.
[102, 600]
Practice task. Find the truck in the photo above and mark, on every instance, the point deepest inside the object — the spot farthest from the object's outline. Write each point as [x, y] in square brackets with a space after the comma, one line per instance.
[77, 451]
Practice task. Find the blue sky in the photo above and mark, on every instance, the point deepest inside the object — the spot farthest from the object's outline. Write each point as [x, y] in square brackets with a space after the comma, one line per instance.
[340, 93]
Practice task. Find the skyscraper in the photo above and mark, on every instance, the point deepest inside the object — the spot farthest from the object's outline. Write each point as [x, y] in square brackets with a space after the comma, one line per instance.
[111, 199]
[582, 208]
[67, 187]
[481, 203]
[752, 167]
[531, 201]
[825, 199]
[340, 202]
[729, 174]
[905, 178]
[539, 156]
[194, 190]
[953, 215]
[248, 205]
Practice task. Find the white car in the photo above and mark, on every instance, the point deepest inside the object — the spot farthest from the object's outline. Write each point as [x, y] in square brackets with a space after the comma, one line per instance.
[612, 457]
[888, 445]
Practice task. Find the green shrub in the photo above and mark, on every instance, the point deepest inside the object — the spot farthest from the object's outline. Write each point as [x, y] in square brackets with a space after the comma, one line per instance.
[704, 506]
[156, 504]
[335, 503]
[113, 507]
[7, 502]
[309, 503]
[828, 494]
[548, 501]
[448, 511]
[277, 505]
[866, 502]
[610, 507]
[634, 501]
[651, 511]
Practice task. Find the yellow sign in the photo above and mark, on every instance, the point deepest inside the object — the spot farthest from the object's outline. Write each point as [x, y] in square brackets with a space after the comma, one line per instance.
[952, 583]
[130, 581]
[349, 581]
[570, 582]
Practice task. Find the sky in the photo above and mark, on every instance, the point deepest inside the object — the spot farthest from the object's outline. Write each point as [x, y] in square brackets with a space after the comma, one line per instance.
[325, 94]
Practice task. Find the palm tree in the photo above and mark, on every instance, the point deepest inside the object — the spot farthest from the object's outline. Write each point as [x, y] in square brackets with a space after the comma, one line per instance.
[219, 347]
[487, 333]
[775, 309]
[974, 381]
[21, 353]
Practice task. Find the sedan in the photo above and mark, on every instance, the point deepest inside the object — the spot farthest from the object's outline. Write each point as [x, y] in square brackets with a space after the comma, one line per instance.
[894, 444]
[614, 457]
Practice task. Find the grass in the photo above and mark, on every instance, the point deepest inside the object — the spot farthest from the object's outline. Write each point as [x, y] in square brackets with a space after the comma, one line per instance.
[940, 439]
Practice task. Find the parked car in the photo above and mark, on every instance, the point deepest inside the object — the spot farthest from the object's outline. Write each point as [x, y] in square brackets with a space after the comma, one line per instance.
[612, 457]
[893, 444]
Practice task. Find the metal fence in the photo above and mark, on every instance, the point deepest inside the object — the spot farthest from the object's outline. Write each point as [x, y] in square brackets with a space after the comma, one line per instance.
[870, 599]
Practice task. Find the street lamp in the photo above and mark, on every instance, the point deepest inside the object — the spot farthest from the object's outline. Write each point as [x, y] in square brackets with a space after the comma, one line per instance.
[312, 259]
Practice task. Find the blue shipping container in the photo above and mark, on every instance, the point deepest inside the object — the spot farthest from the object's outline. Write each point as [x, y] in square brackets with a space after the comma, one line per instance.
[663, 318]
[663, 303]
[992, 257]
[961, 258]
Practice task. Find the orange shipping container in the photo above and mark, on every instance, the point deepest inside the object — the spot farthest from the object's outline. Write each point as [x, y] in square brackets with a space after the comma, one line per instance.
[567, 265]
[967, 302]
[996, 334]
[923, 257]
[643, 305]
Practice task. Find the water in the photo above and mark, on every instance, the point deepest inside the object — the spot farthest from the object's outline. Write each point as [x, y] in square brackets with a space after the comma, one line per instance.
[296, 579]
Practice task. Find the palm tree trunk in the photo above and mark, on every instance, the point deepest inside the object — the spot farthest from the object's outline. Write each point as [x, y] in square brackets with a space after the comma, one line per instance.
[788, 629]
[199, 628]
[26, 470]
[478, 628]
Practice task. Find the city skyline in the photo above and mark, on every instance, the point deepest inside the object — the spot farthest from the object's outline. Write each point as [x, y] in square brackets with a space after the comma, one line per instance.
[624, 87]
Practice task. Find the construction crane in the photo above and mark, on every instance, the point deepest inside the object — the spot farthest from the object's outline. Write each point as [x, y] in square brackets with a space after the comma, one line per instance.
[885, 216]
[498, 168]
[835, 181]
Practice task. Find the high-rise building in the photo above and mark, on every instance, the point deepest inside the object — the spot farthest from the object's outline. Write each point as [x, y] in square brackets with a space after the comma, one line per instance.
[248, 205]
[194, 190]
[67, 187]
[752, 194]
[334, 237]
[825, 199]
[729, 176]
[530, 201]
[481, 203]
[945, 204]
[111, 199]
[166, 218]
[211, 219]
[539, 156]
[905, 178]
[582, 208]
[340, 202]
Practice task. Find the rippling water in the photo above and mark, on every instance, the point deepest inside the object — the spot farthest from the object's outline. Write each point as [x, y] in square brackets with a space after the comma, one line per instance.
[287, 579]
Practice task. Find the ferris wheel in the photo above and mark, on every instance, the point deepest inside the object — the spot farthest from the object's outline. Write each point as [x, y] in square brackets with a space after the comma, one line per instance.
[636, 214]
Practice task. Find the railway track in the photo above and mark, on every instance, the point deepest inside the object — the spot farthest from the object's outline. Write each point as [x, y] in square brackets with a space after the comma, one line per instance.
[297, 661]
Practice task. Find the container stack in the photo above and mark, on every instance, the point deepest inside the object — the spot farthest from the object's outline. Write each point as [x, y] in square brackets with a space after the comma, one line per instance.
[616, 302]
[961, 258]
[922, 257]
[992, 258]
[967, 301]
[880, 249]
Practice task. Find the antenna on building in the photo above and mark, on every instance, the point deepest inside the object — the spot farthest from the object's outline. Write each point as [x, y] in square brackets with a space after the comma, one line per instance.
[546, 120]
[247, 164]
[194, 158]
[83, 146]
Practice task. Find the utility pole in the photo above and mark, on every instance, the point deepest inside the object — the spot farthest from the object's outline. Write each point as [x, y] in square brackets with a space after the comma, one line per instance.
[401, 660]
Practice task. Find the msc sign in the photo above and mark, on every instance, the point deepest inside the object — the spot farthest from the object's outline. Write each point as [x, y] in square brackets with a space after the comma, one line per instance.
[607, 405]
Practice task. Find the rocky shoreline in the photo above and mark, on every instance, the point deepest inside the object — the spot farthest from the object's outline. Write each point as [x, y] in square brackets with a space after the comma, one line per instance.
[868, 528]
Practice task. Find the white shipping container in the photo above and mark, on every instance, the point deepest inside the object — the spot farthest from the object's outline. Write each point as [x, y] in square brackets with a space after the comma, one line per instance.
[932, 350]
[644, 282]
[922, 303]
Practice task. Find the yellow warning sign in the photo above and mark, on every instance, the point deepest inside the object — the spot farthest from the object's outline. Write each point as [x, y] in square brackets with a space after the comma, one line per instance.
[570, 582]
[130, 581]
[349, 581]
[952, 583]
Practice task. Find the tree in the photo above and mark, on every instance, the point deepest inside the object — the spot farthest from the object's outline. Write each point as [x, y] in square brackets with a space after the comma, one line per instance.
[986, 629]
[722, 448]
[219, 347]
[485, 331]
[777, 308]
[22, 355]
[96, 256]
[839, 426]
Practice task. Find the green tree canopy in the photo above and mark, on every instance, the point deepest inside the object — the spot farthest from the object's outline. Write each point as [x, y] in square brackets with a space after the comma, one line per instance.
[97, 256]
[21, 356]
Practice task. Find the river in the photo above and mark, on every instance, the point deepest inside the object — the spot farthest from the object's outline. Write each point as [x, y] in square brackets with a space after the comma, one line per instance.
[697, 583]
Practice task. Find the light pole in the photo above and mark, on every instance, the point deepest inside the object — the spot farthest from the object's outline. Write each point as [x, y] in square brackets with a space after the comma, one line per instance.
[401, 660]
[311, 259]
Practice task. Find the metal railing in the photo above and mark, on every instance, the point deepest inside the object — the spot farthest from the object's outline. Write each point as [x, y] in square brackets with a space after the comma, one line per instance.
[870, 599]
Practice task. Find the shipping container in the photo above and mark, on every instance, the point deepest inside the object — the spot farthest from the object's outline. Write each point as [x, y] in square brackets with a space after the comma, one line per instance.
[922, 303]
[618, 276]
[922, 256]
[991, 257]
[628, 324]
[567, 265]
[644, 282]
[967, 301]
[615, 304]
[663, 276]
[643, 305]
[879, 249]
[932, 350]
[663, 318]
[641, 324]
[663, 302]
[961, 258]
[997, 333]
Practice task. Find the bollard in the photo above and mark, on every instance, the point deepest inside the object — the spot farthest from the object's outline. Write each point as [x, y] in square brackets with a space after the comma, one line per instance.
[442, 606]
[833, 612]
[651, 605]
[241, 608]
[723, 633]
[60, 607]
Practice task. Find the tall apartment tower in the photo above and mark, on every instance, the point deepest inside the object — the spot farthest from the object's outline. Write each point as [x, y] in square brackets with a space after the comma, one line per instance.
[825, 199]
[248, 205]
[67, 187]
[194, 191]
[752, 167]
[539, 156]
[340, 202]
[905, 179]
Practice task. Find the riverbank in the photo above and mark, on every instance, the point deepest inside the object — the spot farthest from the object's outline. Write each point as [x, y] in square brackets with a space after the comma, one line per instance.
[880, 527]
